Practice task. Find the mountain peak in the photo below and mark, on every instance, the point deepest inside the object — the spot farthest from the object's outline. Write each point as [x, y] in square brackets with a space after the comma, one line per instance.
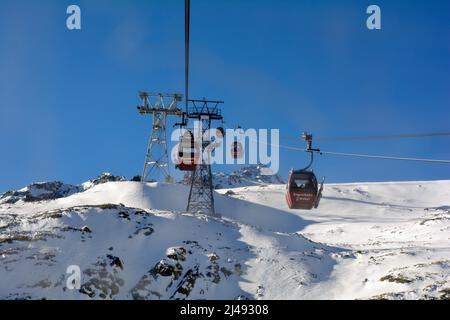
[247, 176]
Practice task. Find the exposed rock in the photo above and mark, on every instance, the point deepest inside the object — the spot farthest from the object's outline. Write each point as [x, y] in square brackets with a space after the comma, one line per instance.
[167, 269]
[213, 257]
[86, 229]
[137, 178]
[445, 294]
[104, 281]
[146, 230]
[102, 178]
[230, 193]
[214, 272]
[115, 261]
[40, 191]
[247, 176]
[397, 279]
[53, 189]
[188, 282]
[238, 269]
[176, 253]
[144, 289]
[124, 215]
[226, 272]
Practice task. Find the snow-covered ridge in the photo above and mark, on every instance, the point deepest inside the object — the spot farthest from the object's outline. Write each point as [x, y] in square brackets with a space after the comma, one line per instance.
[102, 178]
[54, 189]
[40, 191]
[247, 176]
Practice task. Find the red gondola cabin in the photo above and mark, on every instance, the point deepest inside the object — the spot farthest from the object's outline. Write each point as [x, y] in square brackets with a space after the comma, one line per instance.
[187, 153]
[302, 190]
[236, 150]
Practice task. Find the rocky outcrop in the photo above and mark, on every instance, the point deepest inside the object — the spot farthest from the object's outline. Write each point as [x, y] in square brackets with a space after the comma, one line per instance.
[102, 178]
[247, 176]
[40, 191]
[54, 189]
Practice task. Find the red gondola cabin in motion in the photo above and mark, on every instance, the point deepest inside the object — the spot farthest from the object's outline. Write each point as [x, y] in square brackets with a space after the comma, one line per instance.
[187, 153]
[236, 150]
[303, 191]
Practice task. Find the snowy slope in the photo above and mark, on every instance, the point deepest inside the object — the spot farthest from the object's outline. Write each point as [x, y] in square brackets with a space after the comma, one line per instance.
[392, 240]
[134, 241]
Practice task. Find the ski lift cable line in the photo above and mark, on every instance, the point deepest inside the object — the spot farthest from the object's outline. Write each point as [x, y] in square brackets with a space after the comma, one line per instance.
[358, 155]
[379, 137]
[187, 19]
[384, 157]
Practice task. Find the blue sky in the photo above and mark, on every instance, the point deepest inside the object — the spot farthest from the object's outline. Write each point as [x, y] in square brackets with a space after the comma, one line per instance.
[67, 98]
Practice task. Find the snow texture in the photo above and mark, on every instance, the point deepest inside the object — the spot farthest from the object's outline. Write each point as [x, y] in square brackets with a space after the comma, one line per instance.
[134, 241]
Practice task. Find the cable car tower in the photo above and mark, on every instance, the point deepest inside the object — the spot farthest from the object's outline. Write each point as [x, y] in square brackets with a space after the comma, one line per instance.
[201, 197]
[160, 106]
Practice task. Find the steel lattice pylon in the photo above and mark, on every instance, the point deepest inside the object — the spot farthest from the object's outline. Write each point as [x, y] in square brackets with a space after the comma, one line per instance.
[160, 106]
[201, 196]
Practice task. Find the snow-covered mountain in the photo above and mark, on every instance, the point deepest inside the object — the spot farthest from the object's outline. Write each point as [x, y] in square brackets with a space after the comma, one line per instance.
[102, 178]
[53, 190]
[133, 241]
[40, 191]
[253, 175]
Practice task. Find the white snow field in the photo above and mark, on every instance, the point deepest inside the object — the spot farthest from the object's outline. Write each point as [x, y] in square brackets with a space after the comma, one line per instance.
[133, 241]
